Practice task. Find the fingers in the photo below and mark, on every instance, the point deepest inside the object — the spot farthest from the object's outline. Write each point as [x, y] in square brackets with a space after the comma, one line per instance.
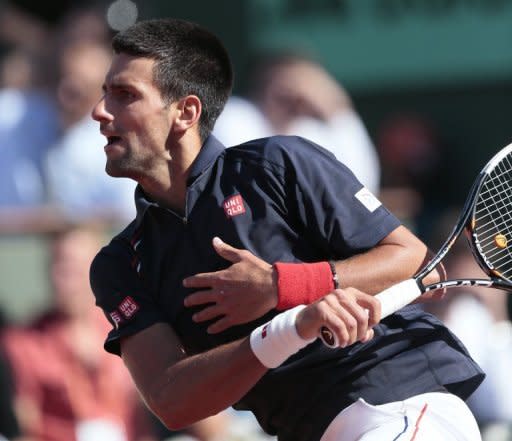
[337, 332]
[226, 251]
[206, 314]
[369, 335]
[371, 305]
[207, 280]
[214, 311]
[351, 322]
[202, 297]
[220, 325]
[348, 315]
[202, 280]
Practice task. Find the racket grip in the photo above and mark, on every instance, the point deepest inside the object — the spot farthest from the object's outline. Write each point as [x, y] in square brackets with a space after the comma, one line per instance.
[397, 296]
[391, 300]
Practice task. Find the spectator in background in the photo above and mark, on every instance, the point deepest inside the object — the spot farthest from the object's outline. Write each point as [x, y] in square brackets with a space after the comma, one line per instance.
[297, 96]
[52, 157]
[77, 183]
[83, 24]
[241, 121]
[67, 388]
[410, 151]
[28, 125]
[27, 115]
[9, 427]
[19, 28]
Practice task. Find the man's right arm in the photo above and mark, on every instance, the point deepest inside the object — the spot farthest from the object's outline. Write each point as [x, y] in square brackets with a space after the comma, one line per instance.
[178, 389]
[181, 390]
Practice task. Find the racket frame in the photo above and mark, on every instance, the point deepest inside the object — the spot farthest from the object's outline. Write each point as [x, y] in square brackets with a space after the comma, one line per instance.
[466, 222]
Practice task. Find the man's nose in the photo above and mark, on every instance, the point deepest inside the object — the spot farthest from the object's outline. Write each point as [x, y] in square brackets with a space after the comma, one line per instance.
[100, 113]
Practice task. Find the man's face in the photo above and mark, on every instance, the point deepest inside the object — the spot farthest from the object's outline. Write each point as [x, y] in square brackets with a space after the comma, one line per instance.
[134, 118]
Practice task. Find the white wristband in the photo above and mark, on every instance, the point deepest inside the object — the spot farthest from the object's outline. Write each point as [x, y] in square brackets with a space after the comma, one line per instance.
[275, 341]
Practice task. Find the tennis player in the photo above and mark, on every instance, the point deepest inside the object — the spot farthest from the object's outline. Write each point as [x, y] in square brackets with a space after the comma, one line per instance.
[312, 240]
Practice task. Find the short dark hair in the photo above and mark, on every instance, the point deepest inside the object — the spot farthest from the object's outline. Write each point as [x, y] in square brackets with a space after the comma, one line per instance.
[189, 60]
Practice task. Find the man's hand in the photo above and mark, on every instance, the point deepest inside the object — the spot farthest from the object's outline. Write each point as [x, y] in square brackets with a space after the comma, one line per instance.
[349, 313]
[245, 291]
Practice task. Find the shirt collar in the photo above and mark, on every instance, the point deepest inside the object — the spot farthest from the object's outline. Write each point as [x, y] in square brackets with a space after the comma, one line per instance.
[209, 152]
[142, 203]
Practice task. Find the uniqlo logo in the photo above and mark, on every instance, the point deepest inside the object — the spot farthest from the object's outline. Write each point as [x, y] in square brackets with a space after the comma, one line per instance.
[116, 318]
[234, 206]
[128, 307]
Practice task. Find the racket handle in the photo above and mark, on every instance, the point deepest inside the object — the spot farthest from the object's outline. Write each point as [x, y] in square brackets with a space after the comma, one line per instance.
[391, 300]
[397, 296]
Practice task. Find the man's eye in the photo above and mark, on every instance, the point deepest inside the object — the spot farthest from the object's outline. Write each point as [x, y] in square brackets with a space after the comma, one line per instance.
[125, 94]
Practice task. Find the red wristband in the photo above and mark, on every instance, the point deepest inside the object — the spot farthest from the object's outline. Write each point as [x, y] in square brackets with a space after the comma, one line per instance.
[302, 283]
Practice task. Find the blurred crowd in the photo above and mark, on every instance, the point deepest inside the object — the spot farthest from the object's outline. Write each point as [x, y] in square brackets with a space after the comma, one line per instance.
[56, 384]
[53, 163]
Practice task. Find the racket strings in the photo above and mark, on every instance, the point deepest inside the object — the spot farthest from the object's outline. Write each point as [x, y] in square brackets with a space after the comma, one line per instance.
[493, 218]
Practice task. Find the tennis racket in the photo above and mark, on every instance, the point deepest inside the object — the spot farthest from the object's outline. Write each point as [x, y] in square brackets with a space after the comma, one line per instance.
[487, 219]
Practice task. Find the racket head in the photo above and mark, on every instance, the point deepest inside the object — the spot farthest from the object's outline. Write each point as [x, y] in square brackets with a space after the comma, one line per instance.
[489, 227]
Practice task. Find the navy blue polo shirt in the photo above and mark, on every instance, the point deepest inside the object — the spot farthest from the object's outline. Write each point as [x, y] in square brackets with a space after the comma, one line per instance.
[283, 199]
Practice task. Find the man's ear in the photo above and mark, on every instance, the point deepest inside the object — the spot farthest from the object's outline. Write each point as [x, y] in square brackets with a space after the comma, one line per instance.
[188, 112]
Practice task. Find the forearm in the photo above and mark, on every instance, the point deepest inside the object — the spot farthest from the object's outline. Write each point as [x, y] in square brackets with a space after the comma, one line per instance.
[206, 384]
[378, 269]
[192, 388]
[396, 258]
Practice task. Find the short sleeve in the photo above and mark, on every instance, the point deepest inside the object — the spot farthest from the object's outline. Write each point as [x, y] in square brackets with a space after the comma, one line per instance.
[334, 205]
[121, 293]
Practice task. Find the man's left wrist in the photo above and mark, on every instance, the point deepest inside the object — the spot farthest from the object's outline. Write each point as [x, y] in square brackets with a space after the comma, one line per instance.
[302, 283]
[335, 278]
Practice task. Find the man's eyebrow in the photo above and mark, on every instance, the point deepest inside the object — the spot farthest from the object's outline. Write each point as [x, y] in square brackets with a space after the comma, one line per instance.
[121, 85]
[117, 85]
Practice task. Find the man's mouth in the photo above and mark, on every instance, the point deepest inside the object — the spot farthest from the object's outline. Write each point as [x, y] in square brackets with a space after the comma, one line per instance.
[113, 139]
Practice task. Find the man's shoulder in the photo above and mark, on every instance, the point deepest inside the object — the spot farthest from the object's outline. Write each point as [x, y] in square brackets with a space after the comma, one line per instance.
[278, 150]
[116, 254]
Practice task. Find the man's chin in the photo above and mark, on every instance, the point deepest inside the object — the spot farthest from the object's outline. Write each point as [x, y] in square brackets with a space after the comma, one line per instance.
[116, 171]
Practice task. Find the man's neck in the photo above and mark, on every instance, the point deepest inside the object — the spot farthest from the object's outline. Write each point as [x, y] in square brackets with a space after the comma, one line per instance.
[168, 186]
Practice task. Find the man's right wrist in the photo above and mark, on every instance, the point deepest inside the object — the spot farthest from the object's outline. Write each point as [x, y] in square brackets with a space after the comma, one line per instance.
[275, 341]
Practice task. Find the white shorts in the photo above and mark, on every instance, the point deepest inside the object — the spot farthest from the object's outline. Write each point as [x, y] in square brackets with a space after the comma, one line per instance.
[434, 416]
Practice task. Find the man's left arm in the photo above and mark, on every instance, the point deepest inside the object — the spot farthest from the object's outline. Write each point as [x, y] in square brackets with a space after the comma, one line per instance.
[332, 211]
[395, 258]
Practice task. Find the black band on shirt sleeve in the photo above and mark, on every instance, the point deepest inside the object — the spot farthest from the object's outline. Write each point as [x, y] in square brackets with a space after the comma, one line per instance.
[122, 295]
